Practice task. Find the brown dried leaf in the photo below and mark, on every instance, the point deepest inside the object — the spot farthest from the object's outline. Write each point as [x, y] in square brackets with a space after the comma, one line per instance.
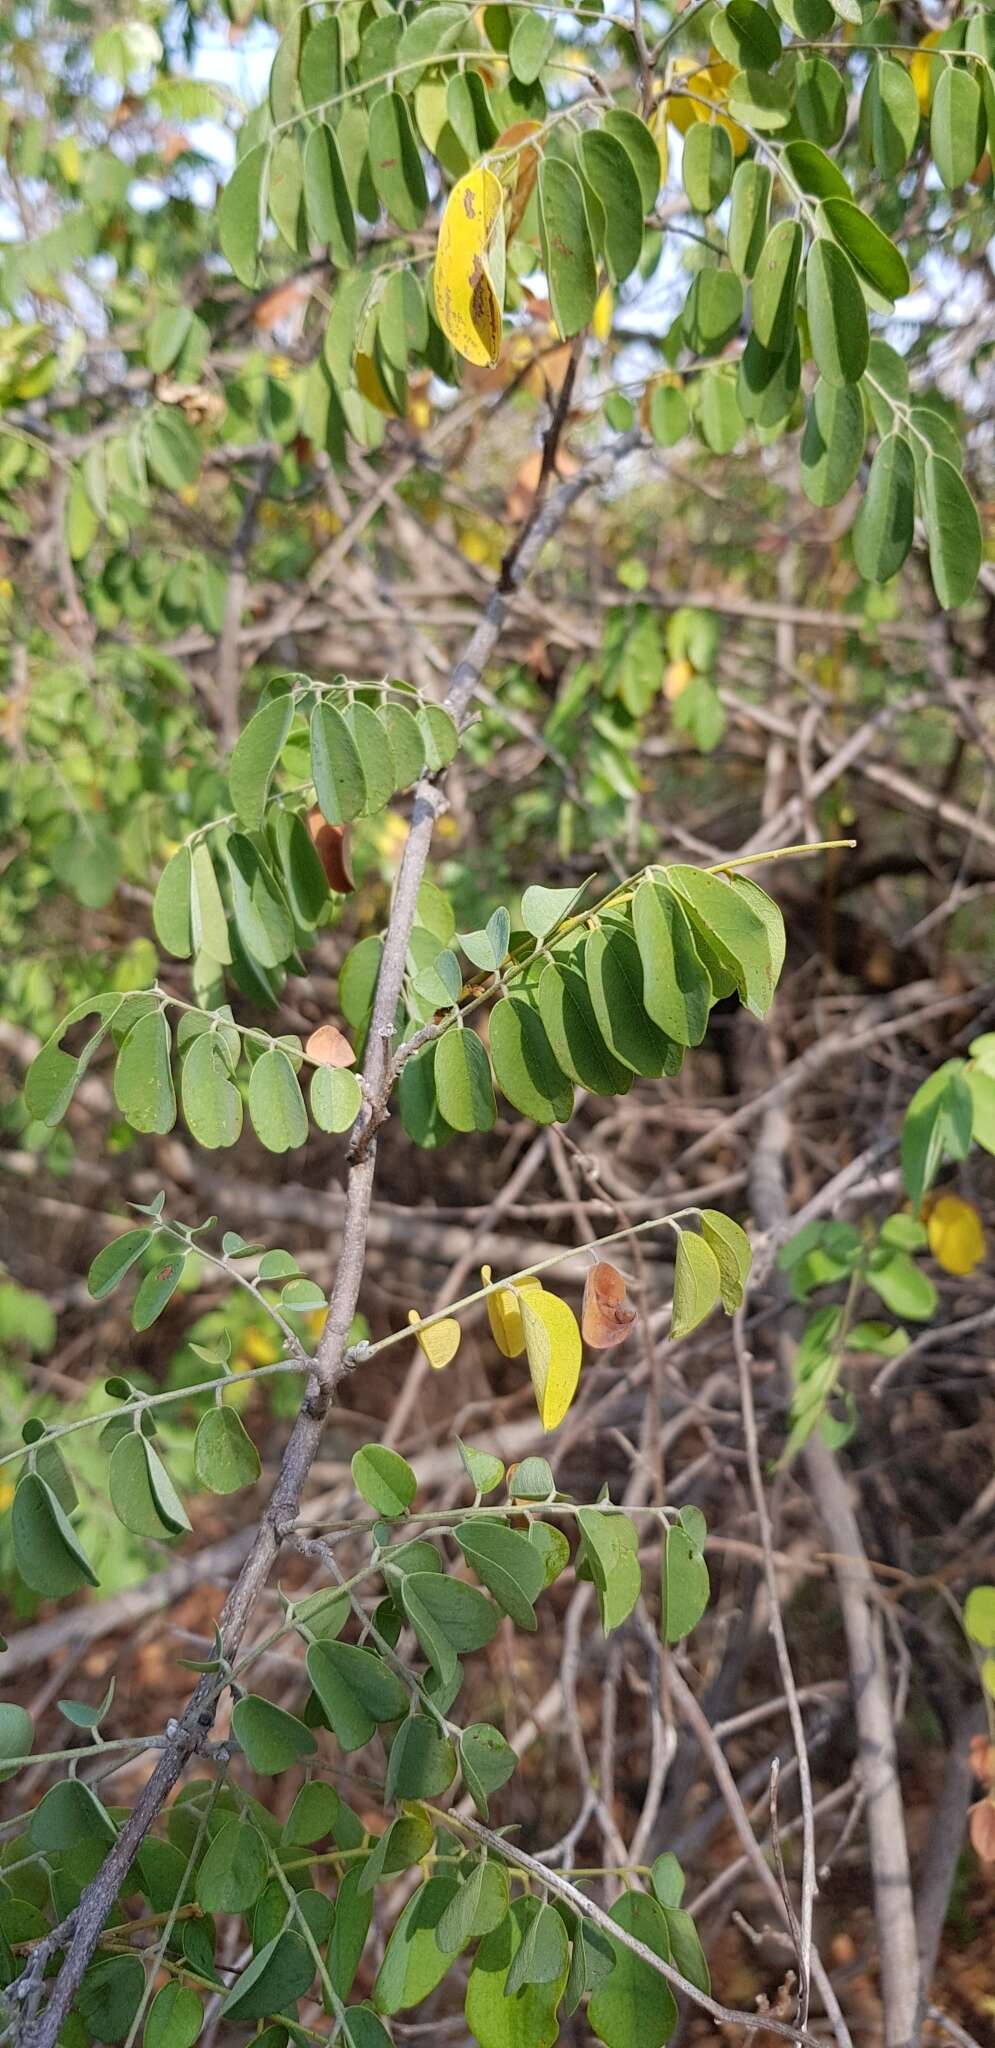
[331, 844]
[606, 1318]
[329, 1047]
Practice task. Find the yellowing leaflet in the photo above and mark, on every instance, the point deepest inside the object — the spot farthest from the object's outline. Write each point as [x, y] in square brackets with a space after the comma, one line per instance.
[504, 1313]
[439, 1341]
[553, 1348]
[469, 267]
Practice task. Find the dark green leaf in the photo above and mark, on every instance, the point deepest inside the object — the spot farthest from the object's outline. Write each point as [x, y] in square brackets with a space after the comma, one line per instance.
[957, 125]
[336, 767]
[524, 1066]
[384, 1479]
[395, 161]
[225, 1457]
[953, 530]
[276, 1104]
[883, 530]
[634, 2003]
[749, 214]
[567, 253]
[47, 1551]
[256, 753]
[356, 1691]
[463, 1081]
[832, 444]
[775, 286]
[609, 171]
[271, 1739]
[837, 316]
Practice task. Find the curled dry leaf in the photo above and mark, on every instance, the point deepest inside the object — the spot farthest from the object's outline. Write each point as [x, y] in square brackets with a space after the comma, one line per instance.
[981, 1828]
[606, 1317]
[439, 1341]
[329, 1047]
[331, 844]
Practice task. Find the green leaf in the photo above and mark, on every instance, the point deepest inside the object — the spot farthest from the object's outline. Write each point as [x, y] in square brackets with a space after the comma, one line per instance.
[69, 1814]
[212, 1105]
[744, 34]
[524, 1066]
[142, 1494]
[110, 1265]
[697, 1283]
[172, 448]
[641, 149]
[749, 214]
[543, 1956]
[261, 915]
[143, 1080]
[422, 1760]
[747, 941]
[833, 443]
[527, 2018]
[508, 1566]
[884, 526]
[326, 195]
[414, 1960]
[356, 1691]
[487, 1762]
[814, 171]
[613, 971]
[707, 164]
[634, 2003]
[957, 125]
[676, 988]
[571, 1027]
[54, 1074]
[463, 1081]
[953, 530]
[234, 1871]
[273, 1982]
[404, 1843]
[256, 753]
[353, 1912]
[224, 1455]
[592, 1960]
[47, 1551]
[448, 1617]
[440, 736]
[336, 1098]
[312, 1816]
[901, 1284]
[171, 905]
[979, 1616]
[889, 115]
[157, 1289]
[837, 316]
[478, 1906]
[685, 1584]
[819, 112]
[567, 252]
[271, 1739]
[775, 284]
[767, 387]
[374, 756]
[611, 1549]
[240, 214]
[320, 70]
[874, 257]
[175, 2018]
[395, 163]
[761, 100]
[110, 1996]
[713, 308]
[732, 1250]
[544, 909]
[938, 1125]
[208, 923]
[486, 1472]
[384, 1479]
[276, 1104]
[336, 768]
[609, 172]
[668, 414]
[532, 40]
[17, 1736]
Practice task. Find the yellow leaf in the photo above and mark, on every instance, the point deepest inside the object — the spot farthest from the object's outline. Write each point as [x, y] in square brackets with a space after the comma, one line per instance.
[676, 677]
[956, 1238]
[711, 84]
[601, 318]
[469, 267]
[553, 1347]
[260, 1345]
[924, 70]
[439, 1341]
[505, 1315]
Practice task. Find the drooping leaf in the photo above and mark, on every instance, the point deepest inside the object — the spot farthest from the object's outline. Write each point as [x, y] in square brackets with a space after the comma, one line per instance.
[384, 1479]
[256, 753]
[953, 530]
[883, 530]
[463, 1081]
[608, 170]
[507, 1565]
[414, 1960]
[142, 1494]
[749, 214]
[395, 161]
[171, 905]
[143, 1079]
[276, 1104]
[697, 1283]
[356, 1690]
[527, 2019]
[606, 1318]
[775, 283]
[262, 918]
[957, 125]
[832, 444]
[611, 1549]
[524, 1066]
[676, 988]
[553, 1348]
[837, 316]
[47, 1551]
[567, 252]
[225, 1457]
[686, 1586]
[634, 2003]
[335, 766]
